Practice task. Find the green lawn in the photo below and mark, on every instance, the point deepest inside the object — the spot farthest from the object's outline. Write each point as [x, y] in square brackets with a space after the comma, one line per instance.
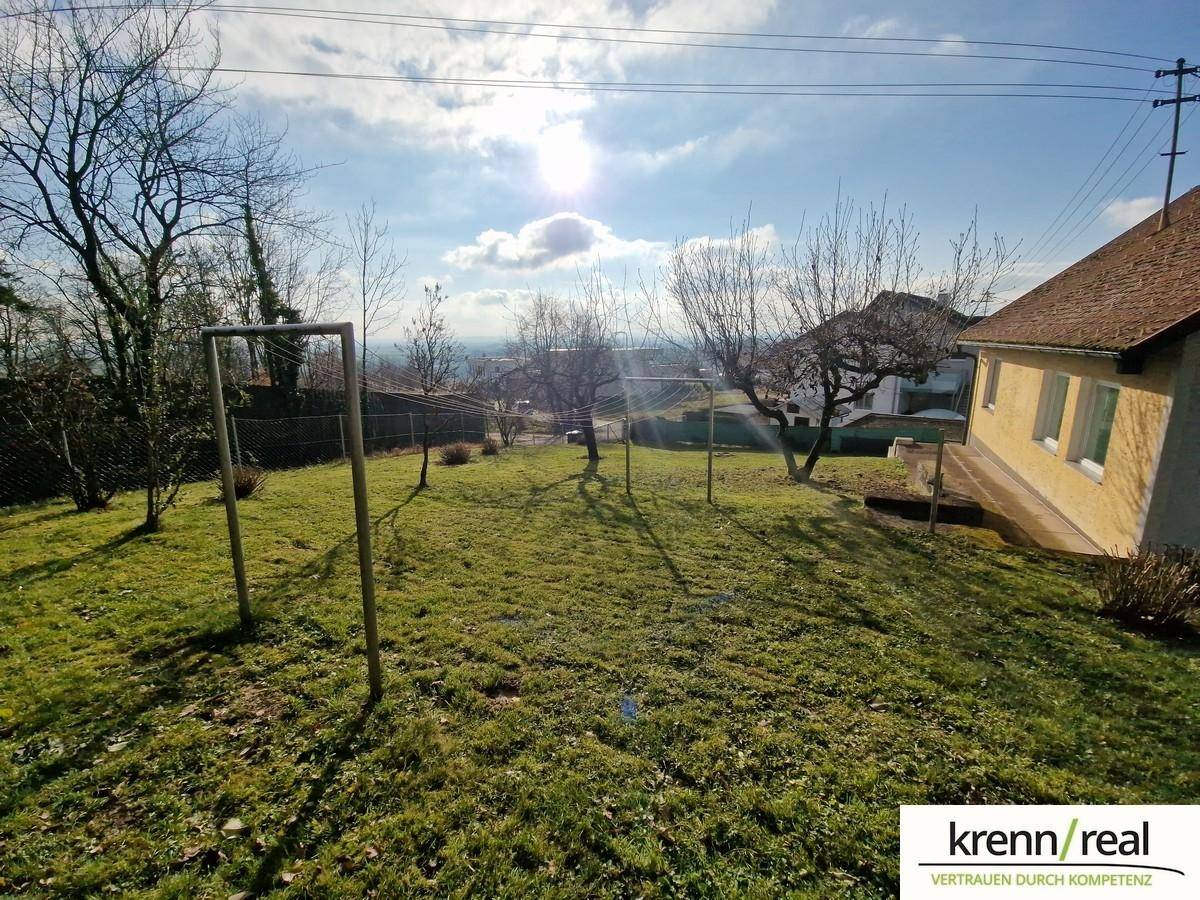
[585, 694]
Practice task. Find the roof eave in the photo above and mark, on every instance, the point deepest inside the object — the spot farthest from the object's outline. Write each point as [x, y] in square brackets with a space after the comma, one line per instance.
[1159, 339]
[1042, 348]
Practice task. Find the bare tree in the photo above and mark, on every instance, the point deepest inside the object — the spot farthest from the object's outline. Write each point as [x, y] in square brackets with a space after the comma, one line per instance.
[433, 354]
[378, 278]
[503, 393]
[831, 317]
[55, 398]
[20, 325]
[849, 285]
[116, 151]
[720, 308]
[569, 350]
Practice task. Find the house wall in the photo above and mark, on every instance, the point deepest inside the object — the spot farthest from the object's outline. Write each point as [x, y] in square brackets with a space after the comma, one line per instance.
[1110, 509]
[1173, 516]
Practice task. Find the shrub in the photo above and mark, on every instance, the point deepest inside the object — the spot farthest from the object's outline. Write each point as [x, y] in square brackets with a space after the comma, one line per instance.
[247, 481]
[455, 454]
[1157, 589]
[491, 447]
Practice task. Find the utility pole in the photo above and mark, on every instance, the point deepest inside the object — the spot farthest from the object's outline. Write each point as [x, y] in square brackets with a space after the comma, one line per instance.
[1181, 69]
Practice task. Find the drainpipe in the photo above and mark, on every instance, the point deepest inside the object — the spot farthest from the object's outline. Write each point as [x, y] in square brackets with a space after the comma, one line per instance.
[971, 397]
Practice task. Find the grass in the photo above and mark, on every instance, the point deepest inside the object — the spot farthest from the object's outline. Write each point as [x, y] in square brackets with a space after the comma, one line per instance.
[585, 694]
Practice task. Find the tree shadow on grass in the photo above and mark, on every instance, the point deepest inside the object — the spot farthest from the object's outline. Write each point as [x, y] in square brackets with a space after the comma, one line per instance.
[175, 656]
[48, 516]
[172, 664]
[643, 525]
[288, 840]
[537, 493]
[50, 567]
[323, 566]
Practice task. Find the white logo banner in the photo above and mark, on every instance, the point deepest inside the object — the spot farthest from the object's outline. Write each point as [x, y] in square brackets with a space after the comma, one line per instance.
[1114, 852]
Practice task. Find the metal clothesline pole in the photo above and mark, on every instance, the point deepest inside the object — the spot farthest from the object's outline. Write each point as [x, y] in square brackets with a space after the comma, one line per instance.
[362, 515]
[711, 385]
[937, 483]
[227, 487]
[628, 441]
[711, 402]
[353, 423]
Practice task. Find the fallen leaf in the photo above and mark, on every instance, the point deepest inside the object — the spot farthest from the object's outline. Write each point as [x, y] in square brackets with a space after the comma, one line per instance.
[118, 746]
[235, 827]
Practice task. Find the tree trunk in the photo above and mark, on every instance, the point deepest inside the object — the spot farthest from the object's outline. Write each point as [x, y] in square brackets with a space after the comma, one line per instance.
[818, 447]
[589, 438]
[152, 481]
[785, 450]
[364, 398]
[424, 482]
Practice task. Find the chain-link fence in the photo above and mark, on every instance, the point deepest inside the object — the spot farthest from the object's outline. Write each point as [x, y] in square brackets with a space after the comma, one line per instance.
[35, 466]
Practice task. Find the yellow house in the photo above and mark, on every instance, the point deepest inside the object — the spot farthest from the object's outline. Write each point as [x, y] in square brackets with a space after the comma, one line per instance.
[1088, 390]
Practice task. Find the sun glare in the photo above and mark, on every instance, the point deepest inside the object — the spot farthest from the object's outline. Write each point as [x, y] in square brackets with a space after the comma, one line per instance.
[564, 158]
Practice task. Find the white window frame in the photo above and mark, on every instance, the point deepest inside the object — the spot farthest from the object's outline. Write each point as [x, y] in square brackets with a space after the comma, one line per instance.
[991, 383]
[1084, 413]
[1041, 432]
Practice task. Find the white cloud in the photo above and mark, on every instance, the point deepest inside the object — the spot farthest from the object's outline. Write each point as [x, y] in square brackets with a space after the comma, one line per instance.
[494, 298]
[892, 28]
[719, 150]
[653, 161]
[1127, 213]
[765, 236]
[563, 239]
[447, 115]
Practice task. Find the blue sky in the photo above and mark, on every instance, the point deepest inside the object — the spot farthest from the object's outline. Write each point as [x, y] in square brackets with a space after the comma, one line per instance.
[496, 192]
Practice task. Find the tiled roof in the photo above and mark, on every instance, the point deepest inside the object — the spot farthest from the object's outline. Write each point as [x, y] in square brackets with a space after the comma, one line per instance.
[1139, 287]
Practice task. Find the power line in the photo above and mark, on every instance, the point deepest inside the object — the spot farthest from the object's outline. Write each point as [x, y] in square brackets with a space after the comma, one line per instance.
[695, 33]
[1047, 232]
[485, 28]
[636, 88]
[383, 19]
[633, 29]
[1103, 204]
[1097, 209]
[751, 87]
[362, 19]
[1053, 246]
[505, 82]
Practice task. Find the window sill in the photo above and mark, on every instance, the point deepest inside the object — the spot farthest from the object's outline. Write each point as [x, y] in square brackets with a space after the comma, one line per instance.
[1092, 471]
[1049, 446]
[989, 407]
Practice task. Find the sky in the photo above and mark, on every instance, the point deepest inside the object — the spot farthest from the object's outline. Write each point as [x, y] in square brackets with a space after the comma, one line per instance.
[497, 192]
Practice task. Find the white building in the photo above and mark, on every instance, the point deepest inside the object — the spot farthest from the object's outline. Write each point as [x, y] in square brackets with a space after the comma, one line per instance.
[946, 391]
[485, 368]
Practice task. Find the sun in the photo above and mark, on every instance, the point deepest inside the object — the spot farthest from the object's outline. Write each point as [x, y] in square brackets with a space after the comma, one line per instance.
[564, 159]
